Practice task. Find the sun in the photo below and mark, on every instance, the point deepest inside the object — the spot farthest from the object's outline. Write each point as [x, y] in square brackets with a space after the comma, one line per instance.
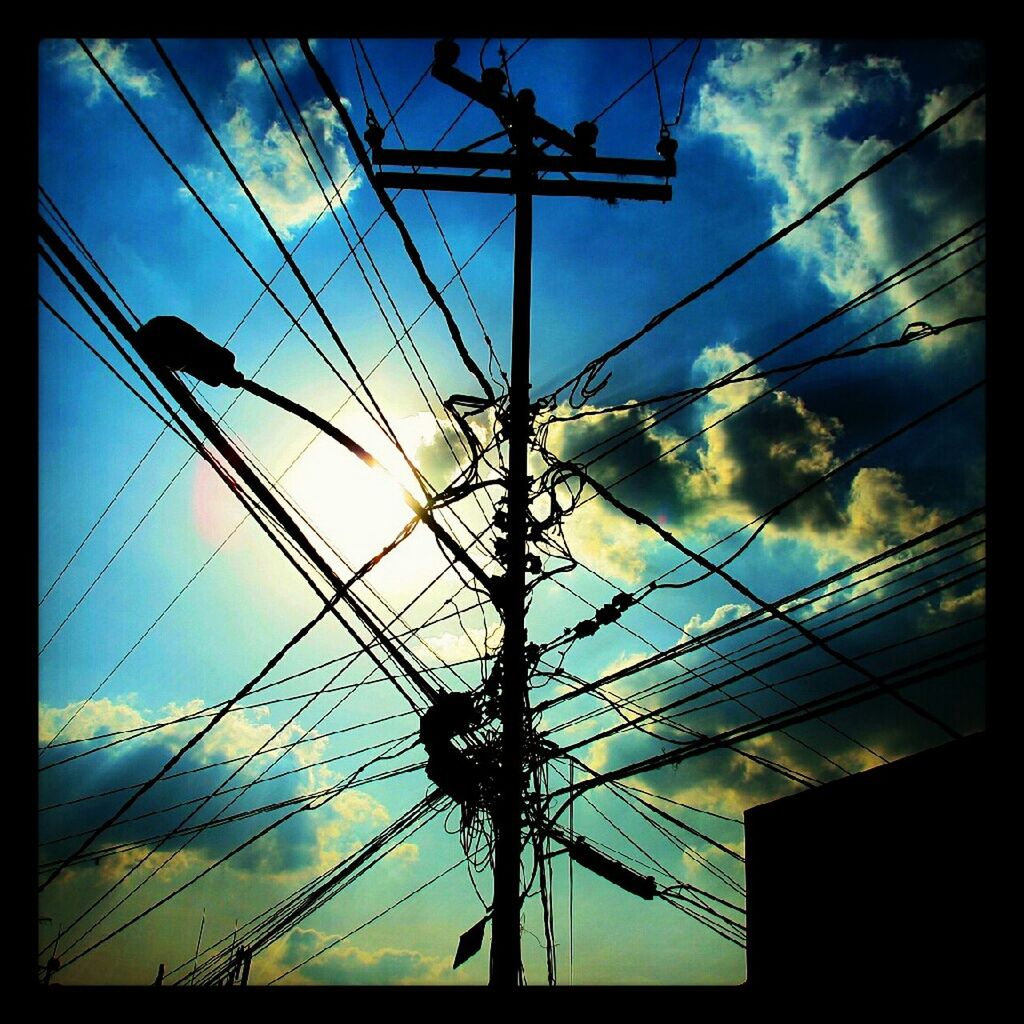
[355, 510]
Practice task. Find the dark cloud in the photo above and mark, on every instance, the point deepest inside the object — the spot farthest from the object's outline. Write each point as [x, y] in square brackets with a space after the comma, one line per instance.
[291, 846]
[775, 448]
[657, 489]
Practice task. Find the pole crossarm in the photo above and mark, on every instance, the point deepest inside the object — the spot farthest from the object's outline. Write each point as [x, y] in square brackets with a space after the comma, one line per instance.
[508, 110]
[506, 186]
[590, 164]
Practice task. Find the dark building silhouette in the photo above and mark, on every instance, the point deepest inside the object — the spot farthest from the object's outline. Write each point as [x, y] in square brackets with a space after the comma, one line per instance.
[886, 878]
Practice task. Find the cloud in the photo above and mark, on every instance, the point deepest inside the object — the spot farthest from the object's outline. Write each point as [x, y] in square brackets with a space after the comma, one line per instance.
[765, 453]
[172, 866]
[451, 647]
[960, 604]
[729, 783]
[792, 112]
[116, 58]
[97, 716]
[722, 614]
[404, 853]
[294, 847]
[610, 543]
[756, 459]
[964, 129]
[274, 168]
[347, 964]
[286, 52]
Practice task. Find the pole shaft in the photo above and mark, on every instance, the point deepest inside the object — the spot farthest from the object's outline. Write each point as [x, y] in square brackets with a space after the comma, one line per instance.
[505, 937]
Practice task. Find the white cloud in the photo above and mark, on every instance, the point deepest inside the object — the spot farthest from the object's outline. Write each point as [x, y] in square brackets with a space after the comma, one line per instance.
[722, 614]
[275, 170]
[171, 866]
[607, 541]
[966, 127]
[735, 471]
[287, 54]
[952, 604]
[404, 853]
[116, 59]
[451, 647]
[97, 716]
[778, 102]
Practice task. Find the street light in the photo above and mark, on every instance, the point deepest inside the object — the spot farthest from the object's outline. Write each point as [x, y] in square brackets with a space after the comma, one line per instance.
[171, 342]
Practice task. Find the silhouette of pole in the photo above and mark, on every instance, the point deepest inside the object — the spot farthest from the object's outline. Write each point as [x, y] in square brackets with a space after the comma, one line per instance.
[518, 116]
[508, 820]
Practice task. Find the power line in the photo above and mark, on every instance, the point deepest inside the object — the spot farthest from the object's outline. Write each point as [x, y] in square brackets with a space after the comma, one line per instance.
[328, 87]
[585, 380]
[293, 266]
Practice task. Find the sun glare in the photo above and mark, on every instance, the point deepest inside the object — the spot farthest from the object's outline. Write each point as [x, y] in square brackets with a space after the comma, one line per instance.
[355, 509]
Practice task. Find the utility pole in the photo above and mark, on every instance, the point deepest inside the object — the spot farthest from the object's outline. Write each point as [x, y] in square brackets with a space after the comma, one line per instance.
[523, 167]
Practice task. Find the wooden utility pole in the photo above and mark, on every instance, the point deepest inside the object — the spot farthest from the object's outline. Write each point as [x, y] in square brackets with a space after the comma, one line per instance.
[523, 166]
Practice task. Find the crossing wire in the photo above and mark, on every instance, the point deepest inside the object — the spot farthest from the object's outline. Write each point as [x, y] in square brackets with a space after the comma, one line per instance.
[585, 380]
[466, 433]
[718, 686]
[341, 201]
[682, 399]
[116, 318]
[380, 417]
[181, 469]
[385, 200]
[217, 223]
[92, 260]
[265, 289]
[393, 119]
[129, 652]
[966, 655]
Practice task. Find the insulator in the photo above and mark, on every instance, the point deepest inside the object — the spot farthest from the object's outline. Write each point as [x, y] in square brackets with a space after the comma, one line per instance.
[667, 147]
[526, 98]
[493, 79]
[455, 773]
[618, 874]
[374, 135]
[623, 601]
[586, 133]
[446, 52]
[449, 715]
[171, 342]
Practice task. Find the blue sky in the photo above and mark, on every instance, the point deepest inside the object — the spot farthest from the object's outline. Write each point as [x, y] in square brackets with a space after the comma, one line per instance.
[768, 129]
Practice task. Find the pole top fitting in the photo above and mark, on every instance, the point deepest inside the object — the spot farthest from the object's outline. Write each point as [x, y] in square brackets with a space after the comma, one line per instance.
[374, 135]
[667, 147]
[493, 79]
[446, 52]
[586, 133]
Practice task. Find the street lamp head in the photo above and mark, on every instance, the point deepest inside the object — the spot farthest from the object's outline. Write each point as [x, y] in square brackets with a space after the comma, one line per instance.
[169, 341]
